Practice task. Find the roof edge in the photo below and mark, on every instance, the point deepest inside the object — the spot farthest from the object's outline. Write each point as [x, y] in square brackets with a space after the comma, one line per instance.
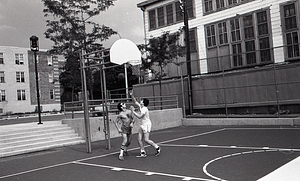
[146, 3]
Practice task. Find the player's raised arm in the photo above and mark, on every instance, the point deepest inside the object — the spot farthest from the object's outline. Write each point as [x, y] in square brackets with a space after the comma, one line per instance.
[134, 99]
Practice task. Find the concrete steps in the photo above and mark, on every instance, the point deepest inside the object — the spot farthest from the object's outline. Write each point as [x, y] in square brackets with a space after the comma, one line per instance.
[30, 137]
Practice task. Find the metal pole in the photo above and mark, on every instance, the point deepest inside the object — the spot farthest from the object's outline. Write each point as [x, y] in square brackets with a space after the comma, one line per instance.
[85, 104]
[107, 131]
[188, 56]
[126, 80]
[37, 88]
[182, 92]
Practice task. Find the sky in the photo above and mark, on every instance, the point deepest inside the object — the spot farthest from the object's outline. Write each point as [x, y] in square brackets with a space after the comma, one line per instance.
[20, 19]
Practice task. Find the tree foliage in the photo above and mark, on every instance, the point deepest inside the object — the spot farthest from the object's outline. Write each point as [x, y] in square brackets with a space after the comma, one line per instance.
[160, 51]
[70, 29]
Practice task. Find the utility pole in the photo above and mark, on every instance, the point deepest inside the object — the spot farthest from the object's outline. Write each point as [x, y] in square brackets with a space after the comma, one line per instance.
[188, 53]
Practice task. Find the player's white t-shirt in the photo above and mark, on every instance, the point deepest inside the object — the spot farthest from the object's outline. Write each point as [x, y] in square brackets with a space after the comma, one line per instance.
[146, 117]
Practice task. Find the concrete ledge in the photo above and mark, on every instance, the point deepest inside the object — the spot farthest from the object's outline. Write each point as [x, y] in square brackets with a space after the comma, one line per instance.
[240, 121]
[161, 119]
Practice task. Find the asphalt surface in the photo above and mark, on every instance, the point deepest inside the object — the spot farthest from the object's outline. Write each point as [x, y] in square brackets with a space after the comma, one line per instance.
[188, 153]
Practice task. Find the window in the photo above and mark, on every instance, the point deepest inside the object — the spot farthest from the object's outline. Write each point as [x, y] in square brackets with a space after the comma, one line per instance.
[1, 58]
[50, 77]
[290, 17]
[220, 4]
[2, 95]
[248, 27]
[193, 40]
[237, 55]
[161, 16]
[170, 19]
[291, 30]
[248, 50]
[230, 2]
[263, 33]
[19, 59]
[2, 80]
[211, 36]
[211, 6]
[21, 95]
[20, 77]
[222, 27]
[235, 30]
[51, 94]
[179, 15]
[190, 8]
[265, 52]
[152, 19]
[208, 5]
[169, 14]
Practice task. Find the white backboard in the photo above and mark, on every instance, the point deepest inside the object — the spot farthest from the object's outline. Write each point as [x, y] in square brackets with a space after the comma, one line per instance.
[123, 51]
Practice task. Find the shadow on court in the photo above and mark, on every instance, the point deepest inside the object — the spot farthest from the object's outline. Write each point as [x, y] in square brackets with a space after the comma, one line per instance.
[188, 153]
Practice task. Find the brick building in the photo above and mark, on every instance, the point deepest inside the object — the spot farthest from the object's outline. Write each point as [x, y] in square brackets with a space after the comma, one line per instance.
[17, 80]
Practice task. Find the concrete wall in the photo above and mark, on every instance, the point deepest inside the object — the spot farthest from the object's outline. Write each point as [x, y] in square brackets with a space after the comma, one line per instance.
[161, 119]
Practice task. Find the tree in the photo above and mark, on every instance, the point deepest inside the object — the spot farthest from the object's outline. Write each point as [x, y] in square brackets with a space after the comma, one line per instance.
[71, 30]
[159, 52]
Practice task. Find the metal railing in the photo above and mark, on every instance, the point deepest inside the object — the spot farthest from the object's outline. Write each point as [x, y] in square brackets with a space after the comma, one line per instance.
[97, 107]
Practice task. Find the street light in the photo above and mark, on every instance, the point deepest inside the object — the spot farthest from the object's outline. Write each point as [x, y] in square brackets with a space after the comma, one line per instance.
[34, 46]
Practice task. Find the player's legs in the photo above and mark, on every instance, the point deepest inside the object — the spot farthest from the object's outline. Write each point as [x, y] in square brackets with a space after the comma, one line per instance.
[150, 142]
[140, 141]
[123, 147]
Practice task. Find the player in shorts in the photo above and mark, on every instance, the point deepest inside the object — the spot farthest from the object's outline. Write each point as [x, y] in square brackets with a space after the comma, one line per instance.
[145, 127]
[126, 118]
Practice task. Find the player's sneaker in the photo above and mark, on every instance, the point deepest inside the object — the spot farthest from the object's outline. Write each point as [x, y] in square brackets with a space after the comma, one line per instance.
[142, 155]
[121, 157]
[157, 151]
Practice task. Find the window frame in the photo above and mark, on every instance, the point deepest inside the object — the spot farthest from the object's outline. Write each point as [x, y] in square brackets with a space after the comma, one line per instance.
[51, 94]
[19, 58]
[2, 77]
[21, 95]
[20, 77]
[1, 58]
[2, 95]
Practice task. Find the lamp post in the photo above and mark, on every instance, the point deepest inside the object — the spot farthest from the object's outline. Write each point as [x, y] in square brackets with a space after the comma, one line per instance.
[34, 46]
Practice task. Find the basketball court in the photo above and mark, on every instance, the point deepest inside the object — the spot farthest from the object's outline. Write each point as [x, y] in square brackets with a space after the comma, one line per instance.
[188, 153]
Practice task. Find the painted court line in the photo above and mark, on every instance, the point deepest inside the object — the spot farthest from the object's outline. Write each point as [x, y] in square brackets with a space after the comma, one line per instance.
[100, 156]
[143, 172]
[231, 147]
[227, 156]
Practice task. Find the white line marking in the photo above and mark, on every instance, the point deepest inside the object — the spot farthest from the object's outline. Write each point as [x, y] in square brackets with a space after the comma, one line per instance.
[258, 128]
[144, 172]
[34, 170]
[232, 147]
